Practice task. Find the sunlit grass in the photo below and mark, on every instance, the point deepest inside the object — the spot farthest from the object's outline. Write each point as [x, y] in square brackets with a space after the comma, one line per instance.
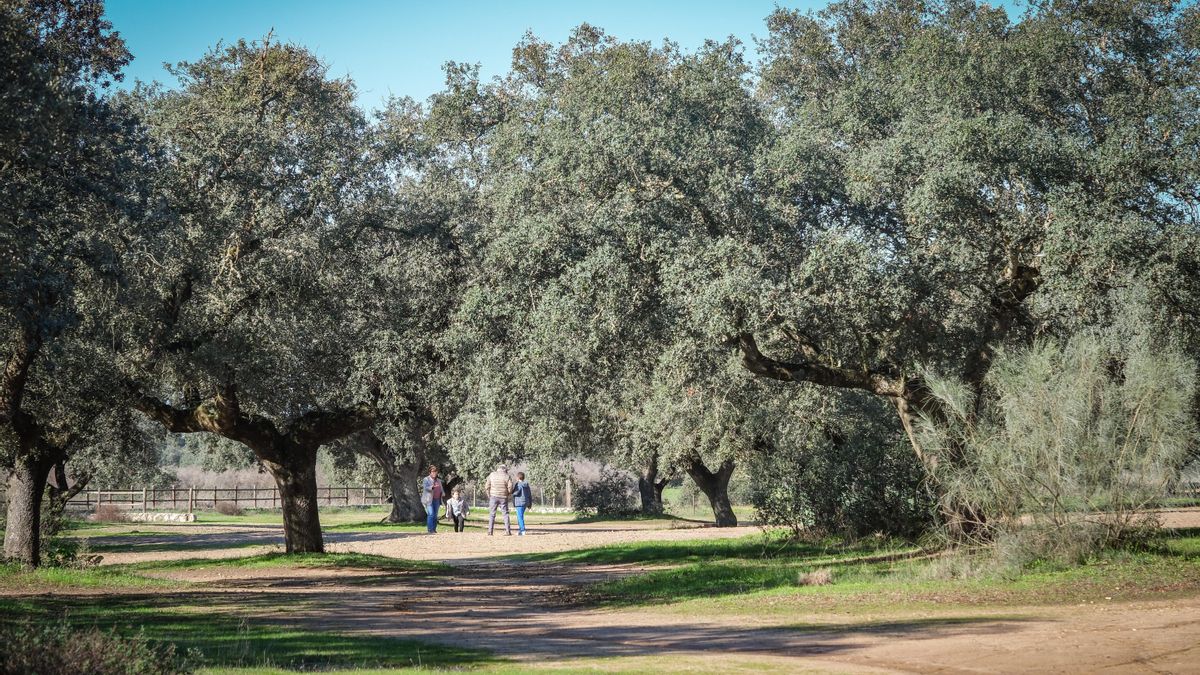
[226, 640]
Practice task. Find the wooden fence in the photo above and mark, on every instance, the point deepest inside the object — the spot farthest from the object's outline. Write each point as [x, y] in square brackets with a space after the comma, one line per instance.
[190, 499]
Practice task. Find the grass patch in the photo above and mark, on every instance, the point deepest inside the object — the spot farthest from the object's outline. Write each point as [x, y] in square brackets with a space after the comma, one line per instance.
[880, 579]
[376, 526]
[178, 544]
[751, 547]
[226, 640]
[297, 560]
[14, 578]
[632, 517]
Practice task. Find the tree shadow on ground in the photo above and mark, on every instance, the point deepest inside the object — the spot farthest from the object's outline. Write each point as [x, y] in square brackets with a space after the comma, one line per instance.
[218, 627]
[184, 541]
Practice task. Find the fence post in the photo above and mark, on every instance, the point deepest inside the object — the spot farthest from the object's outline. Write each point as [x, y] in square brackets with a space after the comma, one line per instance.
[144, 508]
[191, 499]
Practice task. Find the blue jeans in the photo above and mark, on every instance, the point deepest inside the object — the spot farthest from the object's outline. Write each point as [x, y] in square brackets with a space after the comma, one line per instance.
[521, 518]
[431, 515]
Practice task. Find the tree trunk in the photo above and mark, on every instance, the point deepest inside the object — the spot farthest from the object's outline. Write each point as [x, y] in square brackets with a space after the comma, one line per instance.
[715, 486]
[404, 478]
[59, 494]
[650, 488]
[297, 481]
[23, 531]
[406, 497]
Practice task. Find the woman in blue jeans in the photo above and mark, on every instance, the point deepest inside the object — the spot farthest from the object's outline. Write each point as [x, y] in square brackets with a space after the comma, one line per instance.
[522, 499]
[431, 497]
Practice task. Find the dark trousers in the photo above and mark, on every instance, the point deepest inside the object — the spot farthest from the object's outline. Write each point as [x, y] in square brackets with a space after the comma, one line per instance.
[460, 522]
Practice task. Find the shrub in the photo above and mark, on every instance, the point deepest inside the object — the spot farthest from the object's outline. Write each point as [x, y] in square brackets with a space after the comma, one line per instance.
[612, 494]
[1069, 448]
[109, 513]
[58, 648]
[229, 509]
[851, 476]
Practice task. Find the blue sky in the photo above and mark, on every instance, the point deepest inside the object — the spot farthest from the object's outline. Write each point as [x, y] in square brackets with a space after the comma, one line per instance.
[399, 47]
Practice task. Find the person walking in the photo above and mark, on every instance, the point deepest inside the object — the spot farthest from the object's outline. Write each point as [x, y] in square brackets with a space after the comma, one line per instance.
[499, 487]
[522, 499]
[458, 509]
[431, 497]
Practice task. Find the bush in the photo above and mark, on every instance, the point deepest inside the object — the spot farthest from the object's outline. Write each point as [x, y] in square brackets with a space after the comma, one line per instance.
[612, 494]
[851, 486]
[58, 648]
[109, 513]
[1069, 449]
[229, 509]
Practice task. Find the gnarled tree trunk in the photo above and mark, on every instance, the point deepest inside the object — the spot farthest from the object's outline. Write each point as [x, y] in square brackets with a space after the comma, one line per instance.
[297, 481]
[650, 487]
[23, 531]
[403, 476]
[60, 491]
[715, 486]
[288, 453]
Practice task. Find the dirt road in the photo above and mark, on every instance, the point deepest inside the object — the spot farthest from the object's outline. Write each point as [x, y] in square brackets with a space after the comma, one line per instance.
[516, 610]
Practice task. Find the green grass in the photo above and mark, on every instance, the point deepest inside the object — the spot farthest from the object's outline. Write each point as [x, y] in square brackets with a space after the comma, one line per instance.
[226, 640]
[16, 579]
[753, 547]
[302, 560]
[635, 517]
[133, 546]
[727, 577]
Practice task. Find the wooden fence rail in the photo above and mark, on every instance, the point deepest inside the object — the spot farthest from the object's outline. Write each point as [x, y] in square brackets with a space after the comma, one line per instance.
[191, 498]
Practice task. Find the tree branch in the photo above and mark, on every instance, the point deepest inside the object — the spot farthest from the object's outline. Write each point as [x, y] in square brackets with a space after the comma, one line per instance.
[318, 427]
[866, 380]
[219, 414]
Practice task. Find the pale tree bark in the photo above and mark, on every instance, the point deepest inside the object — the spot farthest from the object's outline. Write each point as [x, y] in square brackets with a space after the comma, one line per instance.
[715, 486]
[289, 453]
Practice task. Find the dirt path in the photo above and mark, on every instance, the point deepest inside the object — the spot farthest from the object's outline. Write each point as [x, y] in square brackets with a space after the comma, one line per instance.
[516, 610]
[446, 545]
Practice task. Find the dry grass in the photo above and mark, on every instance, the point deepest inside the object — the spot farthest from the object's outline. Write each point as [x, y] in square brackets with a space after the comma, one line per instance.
[228, 509]
[109, 513]
[821, 577]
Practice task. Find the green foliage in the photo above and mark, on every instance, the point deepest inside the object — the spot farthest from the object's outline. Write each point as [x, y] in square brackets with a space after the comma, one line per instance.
[854, 481]
[611, 494]
[60, 649]
[1069, 447]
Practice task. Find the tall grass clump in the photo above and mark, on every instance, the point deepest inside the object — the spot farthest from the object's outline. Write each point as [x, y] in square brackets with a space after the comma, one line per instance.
[61, 649]
[1067, 448]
